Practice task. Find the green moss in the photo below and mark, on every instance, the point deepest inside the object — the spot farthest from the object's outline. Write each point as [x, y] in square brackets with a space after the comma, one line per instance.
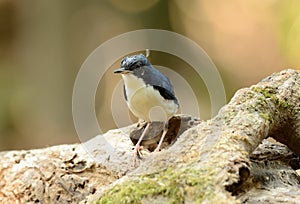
[265, 116]
[174, 185]
[271, 93]
[283, 104]
[267, 92]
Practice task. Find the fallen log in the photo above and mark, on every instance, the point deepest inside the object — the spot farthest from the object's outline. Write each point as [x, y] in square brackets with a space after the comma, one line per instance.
[222, 160]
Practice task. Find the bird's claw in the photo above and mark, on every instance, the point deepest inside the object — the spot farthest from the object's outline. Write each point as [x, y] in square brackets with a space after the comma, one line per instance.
[136, 154]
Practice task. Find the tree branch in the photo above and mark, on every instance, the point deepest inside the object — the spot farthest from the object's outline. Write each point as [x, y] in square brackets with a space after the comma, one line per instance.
[212, 159]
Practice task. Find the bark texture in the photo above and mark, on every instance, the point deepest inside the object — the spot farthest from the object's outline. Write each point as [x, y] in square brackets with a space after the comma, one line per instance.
[210, 162]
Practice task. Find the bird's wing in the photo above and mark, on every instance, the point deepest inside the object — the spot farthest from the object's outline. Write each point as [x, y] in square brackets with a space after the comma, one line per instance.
[153, 77]
[159, 81]
[166, 94]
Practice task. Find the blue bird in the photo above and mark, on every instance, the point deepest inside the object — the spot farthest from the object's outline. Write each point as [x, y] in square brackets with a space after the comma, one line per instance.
[149, 94]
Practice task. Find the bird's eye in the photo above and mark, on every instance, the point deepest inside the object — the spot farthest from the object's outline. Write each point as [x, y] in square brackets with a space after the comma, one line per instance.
[124, 61]
[135, 65]
[138, 64]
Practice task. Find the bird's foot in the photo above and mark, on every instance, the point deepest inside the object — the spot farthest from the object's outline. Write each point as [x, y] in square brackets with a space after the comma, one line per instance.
[136, 154]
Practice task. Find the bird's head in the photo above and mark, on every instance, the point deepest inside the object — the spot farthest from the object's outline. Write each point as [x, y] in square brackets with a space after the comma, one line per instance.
[130, 63]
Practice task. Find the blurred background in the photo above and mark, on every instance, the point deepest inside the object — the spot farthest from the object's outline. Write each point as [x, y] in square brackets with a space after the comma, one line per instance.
[44, 43]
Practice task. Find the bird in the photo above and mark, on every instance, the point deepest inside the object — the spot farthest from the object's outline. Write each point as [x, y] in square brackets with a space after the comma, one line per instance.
[149, 95]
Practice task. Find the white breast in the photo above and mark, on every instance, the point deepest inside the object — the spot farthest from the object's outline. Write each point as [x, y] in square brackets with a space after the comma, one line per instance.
[145, 102]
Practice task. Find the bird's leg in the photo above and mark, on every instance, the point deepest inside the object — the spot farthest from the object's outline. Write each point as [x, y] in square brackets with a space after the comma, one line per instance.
[157, 149]
[137, 147]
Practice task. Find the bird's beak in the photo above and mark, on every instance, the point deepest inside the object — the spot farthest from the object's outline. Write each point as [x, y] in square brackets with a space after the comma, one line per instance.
[120, 70]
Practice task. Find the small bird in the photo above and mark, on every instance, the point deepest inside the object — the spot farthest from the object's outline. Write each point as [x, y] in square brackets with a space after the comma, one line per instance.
[149, 95]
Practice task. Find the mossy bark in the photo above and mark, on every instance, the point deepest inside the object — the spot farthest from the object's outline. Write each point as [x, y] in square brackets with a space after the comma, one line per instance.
[215, 154]
[210, 162]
